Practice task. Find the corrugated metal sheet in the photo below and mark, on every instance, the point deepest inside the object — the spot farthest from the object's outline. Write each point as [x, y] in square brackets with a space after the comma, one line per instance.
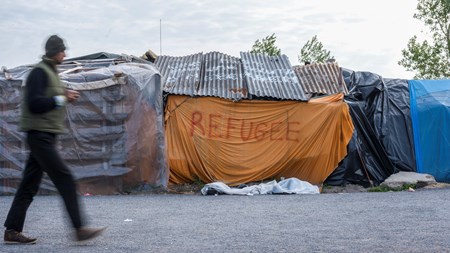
[181, 75]
[221, 76]
[271, 76]
[321, 78]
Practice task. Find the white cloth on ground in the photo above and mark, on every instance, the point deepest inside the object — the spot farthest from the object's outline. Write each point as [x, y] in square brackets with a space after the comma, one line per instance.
[287, 186]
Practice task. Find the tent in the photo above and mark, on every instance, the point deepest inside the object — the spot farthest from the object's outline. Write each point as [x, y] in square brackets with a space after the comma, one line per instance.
[382, 143]
[430, 111]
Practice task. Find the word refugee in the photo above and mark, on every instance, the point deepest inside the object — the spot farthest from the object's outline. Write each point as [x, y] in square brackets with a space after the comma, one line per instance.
[218, 126]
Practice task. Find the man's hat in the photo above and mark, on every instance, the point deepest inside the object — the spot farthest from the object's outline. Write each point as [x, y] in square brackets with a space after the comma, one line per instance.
[54, 45]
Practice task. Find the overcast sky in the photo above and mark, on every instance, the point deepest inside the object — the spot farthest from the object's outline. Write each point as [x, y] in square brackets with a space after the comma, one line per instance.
[362, 35]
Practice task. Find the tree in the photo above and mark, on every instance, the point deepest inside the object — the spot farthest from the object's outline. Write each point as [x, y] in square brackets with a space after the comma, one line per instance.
[266, 46]
[430, 60]
[313, 51]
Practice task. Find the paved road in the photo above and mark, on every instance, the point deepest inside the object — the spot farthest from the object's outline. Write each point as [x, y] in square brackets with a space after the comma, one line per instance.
[356, 222]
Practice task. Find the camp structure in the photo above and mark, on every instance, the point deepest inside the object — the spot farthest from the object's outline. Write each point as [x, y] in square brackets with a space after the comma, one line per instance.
[216, 135]
[239, 120]
[382, 143]
[214, 117]
[115, 135]
[430, 111]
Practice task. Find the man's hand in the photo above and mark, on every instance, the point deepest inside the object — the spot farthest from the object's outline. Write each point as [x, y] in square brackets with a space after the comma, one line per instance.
[72, 95]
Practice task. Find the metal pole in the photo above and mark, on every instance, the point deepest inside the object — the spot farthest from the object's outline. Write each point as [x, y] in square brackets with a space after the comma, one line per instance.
[160, 37]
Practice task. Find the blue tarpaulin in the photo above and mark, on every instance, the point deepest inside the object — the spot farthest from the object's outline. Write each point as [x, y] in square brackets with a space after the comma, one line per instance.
[430, 113]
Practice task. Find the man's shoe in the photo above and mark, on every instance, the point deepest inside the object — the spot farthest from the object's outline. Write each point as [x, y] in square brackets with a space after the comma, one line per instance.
[13, 237]
[83, 234]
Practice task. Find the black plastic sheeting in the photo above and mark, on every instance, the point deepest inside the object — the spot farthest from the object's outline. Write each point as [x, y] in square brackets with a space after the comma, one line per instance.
[382, 143]
[96, 56]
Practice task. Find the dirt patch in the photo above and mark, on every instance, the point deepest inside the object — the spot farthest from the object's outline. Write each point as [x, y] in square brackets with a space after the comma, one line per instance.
[349, 188]
[352, 188]
[195, 188]
[437, 186]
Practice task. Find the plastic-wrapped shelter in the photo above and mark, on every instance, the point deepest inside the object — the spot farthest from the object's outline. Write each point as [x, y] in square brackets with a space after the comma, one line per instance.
[115, 135]
[245, 120]
[382, 143]
[430, 111]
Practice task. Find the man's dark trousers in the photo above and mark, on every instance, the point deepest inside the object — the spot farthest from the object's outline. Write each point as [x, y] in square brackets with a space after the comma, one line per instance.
[43, 158]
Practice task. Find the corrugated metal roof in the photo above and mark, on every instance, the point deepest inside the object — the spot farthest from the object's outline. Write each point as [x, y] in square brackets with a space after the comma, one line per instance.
[221, 76]
[181, 75]
[271, 76]
[322, 78]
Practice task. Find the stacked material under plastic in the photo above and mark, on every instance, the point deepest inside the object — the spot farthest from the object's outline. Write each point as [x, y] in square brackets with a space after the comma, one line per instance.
[115, 135]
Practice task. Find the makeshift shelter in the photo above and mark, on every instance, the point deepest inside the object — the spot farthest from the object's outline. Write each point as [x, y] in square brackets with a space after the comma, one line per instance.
[239, 125]
[382, 143]
[115, 138]
[229, 119]
[430, 111]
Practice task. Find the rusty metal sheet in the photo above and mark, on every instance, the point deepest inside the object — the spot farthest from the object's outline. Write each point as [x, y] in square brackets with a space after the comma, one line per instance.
[271, 76]
[181, 75]
[221, 76]
[321, 78]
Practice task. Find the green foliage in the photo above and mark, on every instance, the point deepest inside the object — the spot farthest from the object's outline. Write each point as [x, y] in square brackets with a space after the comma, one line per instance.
[198, 182]
[266, 46]
[430, 60]
[326, 186]
[313, 51]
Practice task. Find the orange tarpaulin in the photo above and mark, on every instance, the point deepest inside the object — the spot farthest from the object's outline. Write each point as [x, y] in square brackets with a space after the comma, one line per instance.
[213, 139]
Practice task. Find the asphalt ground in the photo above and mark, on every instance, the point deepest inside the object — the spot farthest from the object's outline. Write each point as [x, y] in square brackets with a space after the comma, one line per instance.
[351, 222]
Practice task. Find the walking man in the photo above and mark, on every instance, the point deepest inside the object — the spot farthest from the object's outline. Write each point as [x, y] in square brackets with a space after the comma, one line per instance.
[42, 118]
